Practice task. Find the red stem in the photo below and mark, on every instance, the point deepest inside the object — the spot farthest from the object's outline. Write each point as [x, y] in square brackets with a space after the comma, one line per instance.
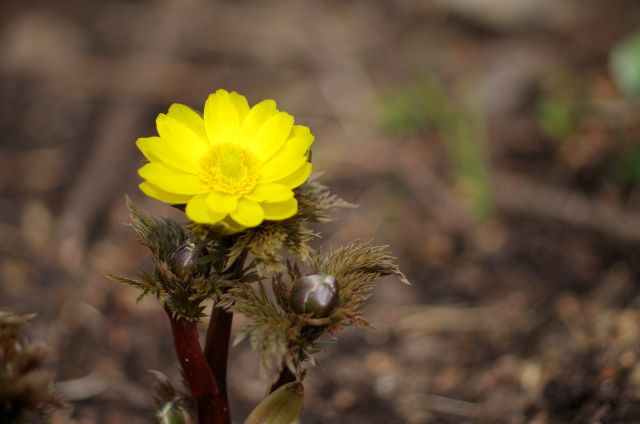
[216, 348]
[211, 404]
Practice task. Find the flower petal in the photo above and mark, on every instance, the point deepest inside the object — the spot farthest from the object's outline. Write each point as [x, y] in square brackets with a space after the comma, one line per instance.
[241, 104]
[248, 213]
[231, 226]
[257, 116]
[221, 202]
[189, 117]
[157, 149]
[221, 118]
[156, 193]
[180, 143]
[146, 146]
[299, 142]
[277, 170]
[170, 180]
[280, 210]
[198, 211]
[271, 135]
[270, 193]
[298, 177]
[290, 157]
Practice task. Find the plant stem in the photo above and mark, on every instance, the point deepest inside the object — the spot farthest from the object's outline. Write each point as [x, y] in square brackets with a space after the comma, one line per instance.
[216, 348]
[212, 406]
[286, 376]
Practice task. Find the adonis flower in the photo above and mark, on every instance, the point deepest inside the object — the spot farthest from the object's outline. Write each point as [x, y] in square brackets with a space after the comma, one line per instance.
[234, 166]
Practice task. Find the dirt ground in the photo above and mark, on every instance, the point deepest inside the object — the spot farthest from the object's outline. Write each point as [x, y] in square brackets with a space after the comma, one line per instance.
[521, 236]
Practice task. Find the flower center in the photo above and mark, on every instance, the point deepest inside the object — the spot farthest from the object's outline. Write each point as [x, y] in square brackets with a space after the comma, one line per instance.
[230, 168]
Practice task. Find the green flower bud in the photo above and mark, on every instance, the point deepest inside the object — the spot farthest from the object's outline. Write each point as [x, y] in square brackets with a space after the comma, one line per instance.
[315, 294]
[170, 413]
[184, 262]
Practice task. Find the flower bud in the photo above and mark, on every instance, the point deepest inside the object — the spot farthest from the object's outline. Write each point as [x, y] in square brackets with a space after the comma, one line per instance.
[315, 294]
[170, 413]
[184, 262]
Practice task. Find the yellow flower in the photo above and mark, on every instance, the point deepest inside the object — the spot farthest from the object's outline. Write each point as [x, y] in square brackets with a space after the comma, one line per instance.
[234, 166]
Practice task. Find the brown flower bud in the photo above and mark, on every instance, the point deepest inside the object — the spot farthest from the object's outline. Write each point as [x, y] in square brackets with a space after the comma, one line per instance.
[315, 294]
[184, 262]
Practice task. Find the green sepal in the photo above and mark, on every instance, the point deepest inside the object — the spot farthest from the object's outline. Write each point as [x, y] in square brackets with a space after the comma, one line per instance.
[281, 407]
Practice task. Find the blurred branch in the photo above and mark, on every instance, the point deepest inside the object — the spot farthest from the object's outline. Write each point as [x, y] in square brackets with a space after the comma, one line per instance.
[512, 194]
[515, 194]
[451, 406]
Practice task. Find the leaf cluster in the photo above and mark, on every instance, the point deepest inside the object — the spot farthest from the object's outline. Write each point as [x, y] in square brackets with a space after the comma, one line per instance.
[285, 338]
[238, 265]
[182, 295]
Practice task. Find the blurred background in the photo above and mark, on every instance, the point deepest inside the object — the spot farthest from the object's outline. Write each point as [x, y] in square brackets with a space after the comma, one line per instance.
[493, 144]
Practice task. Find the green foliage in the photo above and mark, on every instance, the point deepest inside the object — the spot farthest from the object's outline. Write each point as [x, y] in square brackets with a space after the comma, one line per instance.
[562, 104]
[410, 111]
[25, 390]
[401, 116]
[428, 104]
[624, 63]
[555, 117]
[625, 165]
